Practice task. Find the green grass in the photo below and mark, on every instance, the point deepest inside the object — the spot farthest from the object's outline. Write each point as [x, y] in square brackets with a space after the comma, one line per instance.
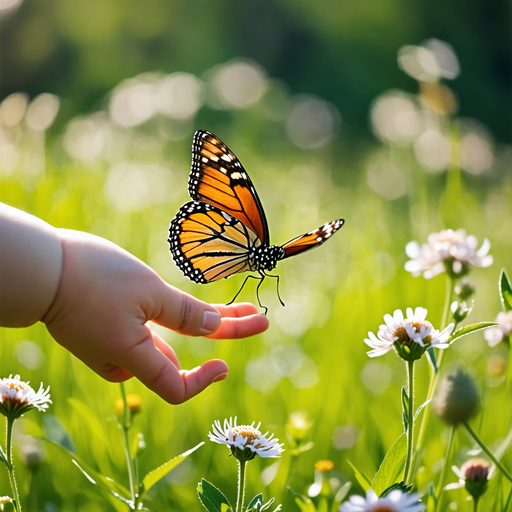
[333, 295]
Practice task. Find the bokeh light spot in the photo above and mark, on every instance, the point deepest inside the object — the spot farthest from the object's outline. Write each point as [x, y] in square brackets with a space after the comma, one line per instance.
[42, 112]
[312, 122]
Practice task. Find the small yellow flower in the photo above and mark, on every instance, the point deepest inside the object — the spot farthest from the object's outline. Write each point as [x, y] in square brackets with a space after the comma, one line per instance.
[134, 404]
[324, 466]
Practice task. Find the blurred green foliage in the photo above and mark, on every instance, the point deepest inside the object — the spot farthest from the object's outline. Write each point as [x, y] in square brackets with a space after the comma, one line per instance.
[342, 51]
[126, 182]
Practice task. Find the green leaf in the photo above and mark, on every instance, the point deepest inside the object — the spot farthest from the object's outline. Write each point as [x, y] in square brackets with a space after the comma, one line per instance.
[363, 480]
[303, 502]
[402, 486]
[157, 474]
[432, 359]
[505, 291]
[468, 329]
[138, 444]
[211, 497]
[405, 409]
[256, 501]
[99, 480]
[504, 446]
[420, 408]
[107, 484]
[392, 467]
[432, 498]
[342, 493]
[257, 505]
[509, 501]
[96, 429]
[267, 505]
[3, 458]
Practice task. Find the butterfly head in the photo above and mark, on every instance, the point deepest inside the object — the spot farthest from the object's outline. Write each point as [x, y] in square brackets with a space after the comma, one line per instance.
[265, 257]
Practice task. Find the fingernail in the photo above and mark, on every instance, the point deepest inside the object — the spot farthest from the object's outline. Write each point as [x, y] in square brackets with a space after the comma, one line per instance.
[211, 321]
[220, 377]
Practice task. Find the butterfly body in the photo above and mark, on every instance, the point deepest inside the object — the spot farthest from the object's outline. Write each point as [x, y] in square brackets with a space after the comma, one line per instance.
[223, 231]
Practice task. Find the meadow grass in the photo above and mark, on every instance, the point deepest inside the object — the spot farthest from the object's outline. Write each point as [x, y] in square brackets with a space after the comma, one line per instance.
[312, 358]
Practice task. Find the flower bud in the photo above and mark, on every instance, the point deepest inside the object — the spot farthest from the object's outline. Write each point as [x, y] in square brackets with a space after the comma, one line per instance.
[461, 310]
[458, 399]
[475, 473]
[134, 404]
[33, 456]
[298, 426]
[465, 288]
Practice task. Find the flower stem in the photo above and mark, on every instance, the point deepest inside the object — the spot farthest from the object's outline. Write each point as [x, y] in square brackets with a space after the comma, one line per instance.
[410, 420]
[443, 471]
[10, 465]
[291, 469]
[241, 486]
[450, 285]
[484, 447]
[126, 424]
[475, 504]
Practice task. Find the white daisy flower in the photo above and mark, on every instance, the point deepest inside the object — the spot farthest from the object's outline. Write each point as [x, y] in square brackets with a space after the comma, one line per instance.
[449, 250]
[17, 397]
[498, 333]
[395, 501]
[410, 336]
[245, 441]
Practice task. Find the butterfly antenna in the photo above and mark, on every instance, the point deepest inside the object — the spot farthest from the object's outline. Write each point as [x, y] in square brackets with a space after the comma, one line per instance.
[241, 288]
[278, 296]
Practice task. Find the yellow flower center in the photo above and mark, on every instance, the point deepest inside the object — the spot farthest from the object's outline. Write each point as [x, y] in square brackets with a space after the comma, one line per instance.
[402, 333]
[383, 508]
[324, 466]
[247, 431]
[15, 384]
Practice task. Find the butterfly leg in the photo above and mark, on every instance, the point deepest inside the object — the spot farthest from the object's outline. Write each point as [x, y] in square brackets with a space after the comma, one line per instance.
[241, 288]
[278, 296]
[262, 278]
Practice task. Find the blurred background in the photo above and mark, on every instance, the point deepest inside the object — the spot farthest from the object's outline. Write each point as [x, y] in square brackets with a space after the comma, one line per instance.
[395, 116]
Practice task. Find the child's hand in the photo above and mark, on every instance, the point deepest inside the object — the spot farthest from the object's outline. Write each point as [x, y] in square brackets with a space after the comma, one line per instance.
[104, 299]
[100, 305]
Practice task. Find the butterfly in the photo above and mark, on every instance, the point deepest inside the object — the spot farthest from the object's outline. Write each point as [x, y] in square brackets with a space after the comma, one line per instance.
[223, 231]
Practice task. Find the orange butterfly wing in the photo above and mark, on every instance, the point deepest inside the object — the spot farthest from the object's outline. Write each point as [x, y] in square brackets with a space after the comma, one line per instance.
[218, 178]
[208, 244]
[312, 239]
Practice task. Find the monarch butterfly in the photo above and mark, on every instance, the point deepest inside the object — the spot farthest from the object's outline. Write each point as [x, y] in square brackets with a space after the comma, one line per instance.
[223, 231]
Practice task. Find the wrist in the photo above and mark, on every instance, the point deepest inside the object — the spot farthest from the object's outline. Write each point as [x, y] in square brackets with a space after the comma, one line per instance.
[30, 267]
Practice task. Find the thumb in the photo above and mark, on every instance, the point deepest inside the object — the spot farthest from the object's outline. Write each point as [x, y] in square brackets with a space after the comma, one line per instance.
[185, 314]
